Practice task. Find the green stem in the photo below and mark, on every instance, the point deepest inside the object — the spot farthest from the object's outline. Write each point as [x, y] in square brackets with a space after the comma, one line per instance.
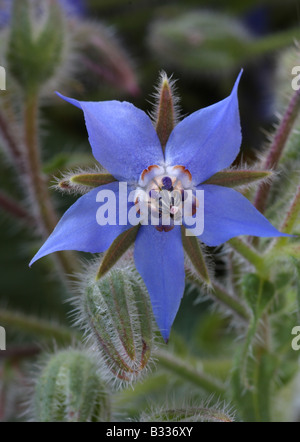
[43, 208]
[250, 254]
[273, 42]
[277, 147]
[10, 143]
[290, 221]
[36, 327]
[190, 374]
[230, 301]
[246, 352]
[226, 298]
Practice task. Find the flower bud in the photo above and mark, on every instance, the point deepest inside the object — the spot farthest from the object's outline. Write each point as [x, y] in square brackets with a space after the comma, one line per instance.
[35, 43]
[191, 414]
[200, 42]
[117, 316]
[69, 389]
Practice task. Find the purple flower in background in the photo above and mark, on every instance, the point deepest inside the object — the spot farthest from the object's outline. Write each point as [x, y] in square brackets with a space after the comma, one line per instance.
[125, 142]
[73, 8]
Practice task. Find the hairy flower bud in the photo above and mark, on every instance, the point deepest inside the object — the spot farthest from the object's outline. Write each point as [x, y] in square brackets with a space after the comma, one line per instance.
[35, 46]
[217, 413]
[117, 316]
[200, 42]
[69, 389]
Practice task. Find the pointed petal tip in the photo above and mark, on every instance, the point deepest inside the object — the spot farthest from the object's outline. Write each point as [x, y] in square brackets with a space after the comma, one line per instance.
[34, 259]
[237, 81]
[75, 103]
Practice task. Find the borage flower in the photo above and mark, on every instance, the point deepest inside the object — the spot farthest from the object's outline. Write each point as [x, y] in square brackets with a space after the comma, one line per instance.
[187, 156]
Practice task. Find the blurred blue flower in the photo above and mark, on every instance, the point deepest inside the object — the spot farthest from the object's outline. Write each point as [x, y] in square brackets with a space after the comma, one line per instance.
[125, 142]
[73, 8]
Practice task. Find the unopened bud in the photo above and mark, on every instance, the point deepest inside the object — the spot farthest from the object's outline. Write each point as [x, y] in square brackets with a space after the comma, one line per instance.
[69, 389]
[117, 316]
[193, 414]
[35, 46]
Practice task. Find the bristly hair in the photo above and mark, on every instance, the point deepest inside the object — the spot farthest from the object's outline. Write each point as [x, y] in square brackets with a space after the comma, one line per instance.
[156, 97]
[110, 371]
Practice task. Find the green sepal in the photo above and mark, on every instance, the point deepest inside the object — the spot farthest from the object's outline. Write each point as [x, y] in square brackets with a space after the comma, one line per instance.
[237, 178]
[192, 248]
[120, 246]
[92, 179]
[165, 111]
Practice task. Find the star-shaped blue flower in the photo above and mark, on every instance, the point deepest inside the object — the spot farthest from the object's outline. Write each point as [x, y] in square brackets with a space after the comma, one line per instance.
[125, 142]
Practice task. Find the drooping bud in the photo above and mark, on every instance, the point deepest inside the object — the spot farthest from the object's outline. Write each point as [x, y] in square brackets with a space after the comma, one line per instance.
[200, 42]
[70, 389]
[116, 314]
[204, 42]
[35, 47]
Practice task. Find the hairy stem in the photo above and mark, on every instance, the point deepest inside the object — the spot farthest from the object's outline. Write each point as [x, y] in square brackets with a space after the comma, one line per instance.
[11, 143]
[222, 295]
[42, 205]
[36, 326]
[250, 254]
[275, 152]
[230, 301]
[195, 376]
[13, 208]
[290, 221]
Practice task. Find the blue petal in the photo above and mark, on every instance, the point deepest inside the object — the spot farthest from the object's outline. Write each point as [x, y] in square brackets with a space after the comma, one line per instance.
[76, 8]
[78, 228]
[209, 140]
[228, 213]
[159, 259]
[122, 137]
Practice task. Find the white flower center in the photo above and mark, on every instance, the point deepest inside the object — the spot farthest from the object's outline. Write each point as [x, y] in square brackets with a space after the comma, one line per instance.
[162, 195]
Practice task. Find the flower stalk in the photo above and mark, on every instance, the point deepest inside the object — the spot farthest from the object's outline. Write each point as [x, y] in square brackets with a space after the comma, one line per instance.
[290, 221]
[277, 147]
[43, 208]
[250, 254]
[194, 376]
